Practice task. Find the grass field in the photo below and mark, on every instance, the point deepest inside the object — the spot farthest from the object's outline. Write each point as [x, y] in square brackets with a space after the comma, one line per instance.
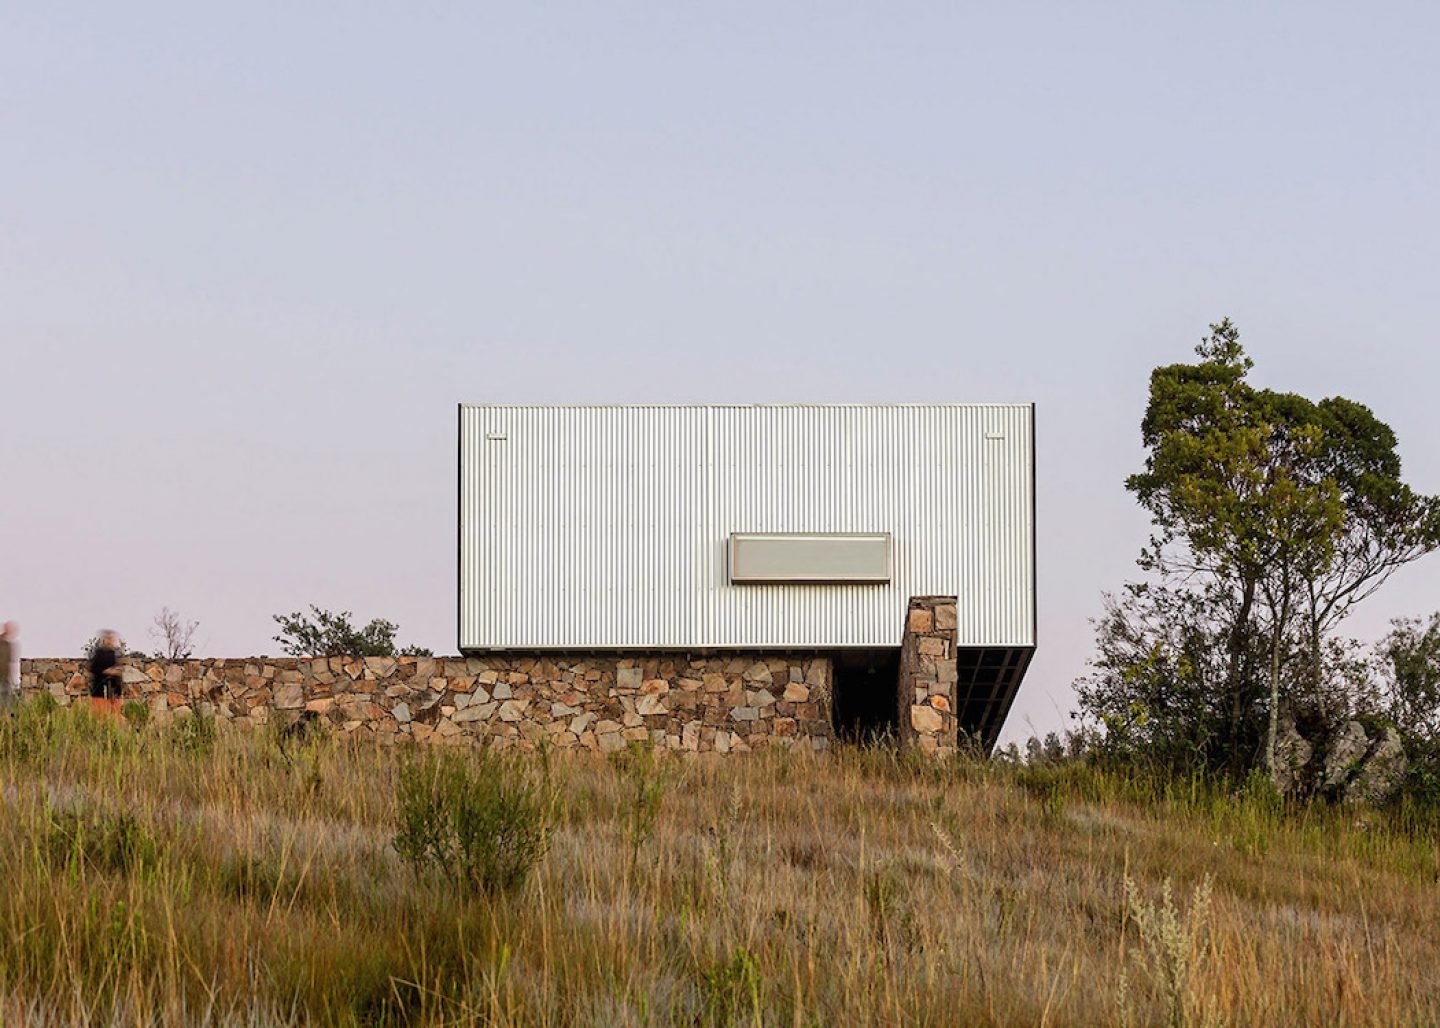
[175, 876]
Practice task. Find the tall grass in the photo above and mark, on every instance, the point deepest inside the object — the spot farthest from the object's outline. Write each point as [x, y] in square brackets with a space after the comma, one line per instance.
[194, 875]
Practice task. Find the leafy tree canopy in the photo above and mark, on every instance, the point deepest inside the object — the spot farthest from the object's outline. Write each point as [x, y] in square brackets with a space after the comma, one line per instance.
[1273, 516]
[322, 633]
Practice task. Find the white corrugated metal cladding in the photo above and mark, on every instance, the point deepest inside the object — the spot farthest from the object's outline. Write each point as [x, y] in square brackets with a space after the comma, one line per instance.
[600, 527]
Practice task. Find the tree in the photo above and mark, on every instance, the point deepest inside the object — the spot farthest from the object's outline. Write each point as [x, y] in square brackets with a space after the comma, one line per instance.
[325, 634]
[1226, 487]
[174, 635]
[1278, 515]
[1410, 657]
[1296, 523]
[1161, 673]
[1387, 524]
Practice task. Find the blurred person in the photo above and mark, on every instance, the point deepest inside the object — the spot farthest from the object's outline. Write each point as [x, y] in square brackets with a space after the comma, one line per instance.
[105, 673]
[9, 663]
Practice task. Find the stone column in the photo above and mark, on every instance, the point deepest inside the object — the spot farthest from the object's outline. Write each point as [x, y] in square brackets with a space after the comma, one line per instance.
[928, 675]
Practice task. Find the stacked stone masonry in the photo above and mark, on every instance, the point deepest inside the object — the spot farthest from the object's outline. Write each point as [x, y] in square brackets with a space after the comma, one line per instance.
[928, 675]
[724, 704]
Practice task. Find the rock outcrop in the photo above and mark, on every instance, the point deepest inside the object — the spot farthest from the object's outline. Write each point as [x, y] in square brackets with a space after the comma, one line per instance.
[1382, 770]
[1293, 754]
[1344, 756]
[1347, 764]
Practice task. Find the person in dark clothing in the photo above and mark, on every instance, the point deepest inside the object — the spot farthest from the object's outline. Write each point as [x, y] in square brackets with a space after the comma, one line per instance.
[105, 672]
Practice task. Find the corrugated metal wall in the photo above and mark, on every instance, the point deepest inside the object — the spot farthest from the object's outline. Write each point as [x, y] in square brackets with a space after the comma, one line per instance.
[602, 527]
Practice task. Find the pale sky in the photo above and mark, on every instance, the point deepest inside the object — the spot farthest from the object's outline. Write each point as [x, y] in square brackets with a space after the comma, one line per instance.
[251, 259]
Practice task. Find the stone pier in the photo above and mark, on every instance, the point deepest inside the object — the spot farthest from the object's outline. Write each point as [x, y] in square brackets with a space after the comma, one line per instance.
[928, 675]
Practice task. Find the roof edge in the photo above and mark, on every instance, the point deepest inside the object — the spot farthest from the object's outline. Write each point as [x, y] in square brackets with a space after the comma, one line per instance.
[1018, 405]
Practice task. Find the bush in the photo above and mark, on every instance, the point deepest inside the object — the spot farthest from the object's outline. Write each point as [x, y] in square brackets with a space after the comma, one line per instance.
[479, 822]
[28, 729]
[734, 990]
[136, 713]
[247, 877]
[645, 783]
[194, 734]
[99, 841]
[323, 633]
[1173, 951]
[42, 705]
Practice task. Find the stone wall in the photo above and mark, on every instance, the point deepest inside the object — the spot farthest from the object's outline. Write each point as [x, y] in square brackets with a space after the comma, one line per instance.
[730, 703]
[928, 675]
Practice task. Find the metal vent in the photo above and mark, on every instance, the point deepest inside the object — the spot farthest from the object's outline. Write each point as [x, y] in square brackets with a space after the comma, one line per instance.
[809, 557]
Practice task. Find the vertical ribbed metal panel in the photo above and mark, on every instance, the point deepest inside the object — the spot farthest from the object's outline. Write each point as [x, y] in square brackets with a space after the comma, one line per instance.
[606, 527]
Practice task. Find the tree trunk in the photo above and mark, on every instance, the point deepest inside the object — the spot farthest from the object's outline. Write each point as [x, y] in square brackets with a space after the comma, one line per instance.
[1277, 636]
[1316, 683]
[1274, 703]
[1237, 650]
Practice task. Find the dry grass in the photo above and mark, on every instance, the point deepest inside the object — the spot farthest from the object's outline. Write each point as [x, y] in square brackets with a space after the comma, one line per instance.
[146, 878]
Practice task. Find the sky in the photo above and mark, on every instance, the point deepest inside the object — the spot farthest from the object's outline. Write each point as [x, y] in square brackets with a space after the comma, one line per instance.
[253, 255]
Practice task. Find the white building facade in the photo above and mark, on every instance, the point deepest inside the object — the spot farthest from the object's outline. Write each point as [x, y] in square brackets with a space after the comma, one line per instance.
[767, 527]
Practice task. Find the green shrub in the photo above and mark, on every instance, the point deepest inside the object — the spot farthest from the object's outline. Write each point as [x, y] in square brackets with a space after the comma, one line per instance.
[42, 704]
[101, 841]
[194, 734]
[247, 877]
[480, 822]
[29, 729]
[734, 989]
[136, 713]
[1259, 795]
[645, 784]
